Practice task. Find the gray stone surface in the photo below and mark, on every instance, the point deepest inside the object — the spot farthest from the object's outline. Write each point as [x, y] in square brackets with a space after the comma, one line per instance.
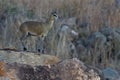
[110, 74]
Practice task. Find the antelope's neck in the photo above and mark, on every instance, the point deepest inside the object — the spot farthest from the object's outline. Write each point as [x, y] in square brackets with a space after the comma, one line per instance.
[47, 27]
[51, 24]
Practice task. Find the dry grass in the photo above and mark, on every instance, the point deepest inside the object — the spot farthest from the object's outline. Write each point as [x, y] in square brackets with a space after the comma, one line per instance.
[97, 13]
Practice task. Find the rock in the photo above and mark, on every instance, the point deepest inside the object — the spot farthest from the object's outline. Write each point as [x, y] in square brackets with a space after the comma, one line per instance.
[107, 31]
[73, 69]
[2, 70]
[7, 73]
[69, 21]
[96, 39]
[110, 74]
[113, 38]
[69, 32]
[83, 28]
[117, 3]
[70, 69]
[81, 50]
[28, 58]
[65, 48]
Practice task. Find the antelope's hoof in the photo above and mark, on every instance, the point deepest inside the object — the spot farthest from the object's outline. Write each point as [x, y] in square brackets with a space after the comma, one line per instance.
[25, 49]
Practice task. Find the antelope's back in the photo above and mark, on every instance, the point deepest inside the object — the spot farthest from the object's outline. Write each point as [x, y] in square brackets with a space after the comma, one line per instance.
[32, 27]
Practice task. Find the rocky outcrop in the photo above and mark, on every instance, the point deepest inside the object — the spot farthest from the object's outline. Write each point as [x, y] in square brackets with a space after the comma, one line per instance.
[110, 74]
[73, 69]
[69, 69]
[28, 58]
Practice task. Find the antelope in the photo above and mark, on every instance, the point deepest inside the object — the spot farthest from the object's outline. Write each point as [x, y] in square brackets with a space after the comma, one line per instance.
[35, 28]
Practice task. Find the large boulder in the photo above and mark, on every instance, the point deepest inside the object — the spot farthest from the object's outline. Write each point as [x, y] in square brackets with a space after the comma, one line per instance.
[74, 69]
[113, 38]
[28, 58]
[110, 74]
[96, 39]
[70, 69]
